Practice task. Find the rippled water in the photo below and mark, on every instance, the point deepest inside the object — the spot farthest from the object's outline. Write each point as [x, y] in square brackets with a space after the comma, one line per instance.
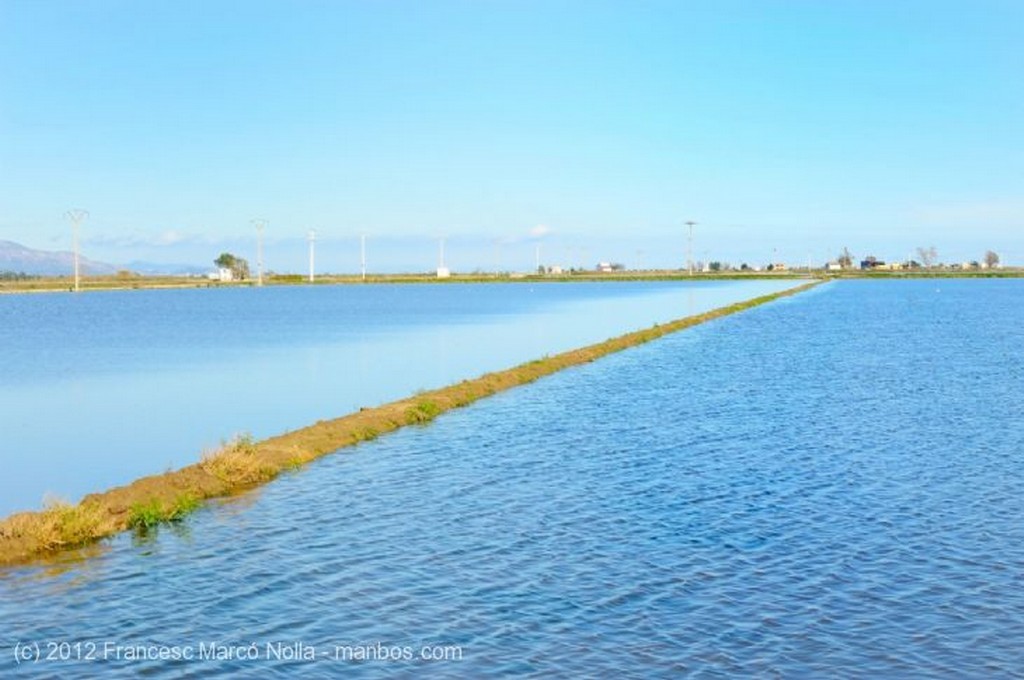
[828, 486]
[97, 390]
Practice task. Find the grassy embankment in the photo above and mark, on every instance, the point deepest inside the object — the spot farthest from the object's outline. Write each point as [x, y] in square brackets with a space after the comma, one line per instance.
[243, 463]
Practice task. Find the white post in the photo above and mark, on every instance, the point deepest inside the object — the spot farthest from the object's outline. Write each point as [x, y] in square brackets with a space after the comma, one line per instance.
[76, 216]
[74, 238]
[259, 250]
[689, 248]
[312, 248]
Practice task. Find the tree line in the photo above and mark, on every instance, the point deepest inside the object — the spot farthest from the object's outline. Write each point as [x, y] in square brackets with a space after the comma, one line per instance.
[927, 257]
[6, 275]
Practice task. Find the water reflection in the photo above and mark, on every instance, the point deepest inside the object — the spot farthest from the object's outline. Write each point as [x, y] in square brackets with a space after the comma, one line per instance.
[736, 500]
[107, 387]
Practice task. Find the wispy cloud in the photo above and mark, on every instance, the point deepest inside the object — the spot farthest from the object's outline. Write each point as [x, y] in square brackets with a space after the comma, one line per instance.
[995, 213]
[172, 237]
[540, 231]
[142, 239]
[535, 233]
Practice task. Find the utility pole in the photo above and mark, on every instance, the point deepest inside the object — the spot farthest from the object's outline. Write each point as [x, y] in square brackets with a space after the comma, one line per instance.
[76, 216]
[362, 254]
[260, 224]
[689, 247]
[312, 254]
[537, 258]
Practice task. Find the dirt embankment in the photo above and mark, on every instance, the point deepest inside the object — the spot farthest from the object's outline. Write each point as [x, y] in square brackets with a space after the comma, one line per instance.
[243, 463]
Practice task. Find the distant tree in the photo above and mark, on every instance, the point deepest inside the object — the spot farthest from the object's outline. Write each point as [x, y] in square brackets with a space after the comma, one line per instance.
[991, 258]
[239, 266]
[716, 266]
[845, 259]
[241, 269]
[225, 261]
[928, 255]
[770, 268]
[744, 267]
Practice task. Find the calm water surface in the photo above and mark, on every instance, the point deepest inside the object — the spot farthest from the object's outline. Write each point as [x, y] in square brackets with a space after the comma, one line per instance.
[828, 486]
[97, 390]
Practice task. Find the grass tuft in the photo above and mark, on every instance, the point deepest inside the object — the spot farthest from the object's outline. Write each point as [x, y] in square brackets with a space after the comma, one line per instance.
[238, 463]
[367, 434]
[423, 412]
[149, 514]
[58, 525]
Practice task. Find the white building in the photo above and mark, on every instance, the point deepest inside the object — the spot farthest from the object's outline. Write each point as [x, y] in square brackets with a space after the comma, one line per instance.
[223, 275]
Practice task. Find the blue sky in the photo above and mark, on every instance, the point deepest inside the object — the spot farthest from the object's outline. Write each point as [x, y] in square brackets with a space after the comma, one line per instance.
[787, 130]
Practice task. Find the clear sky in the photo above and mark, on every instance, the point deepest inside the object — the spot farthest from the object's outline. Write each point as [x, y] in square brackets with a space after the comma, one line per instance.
[786, 129]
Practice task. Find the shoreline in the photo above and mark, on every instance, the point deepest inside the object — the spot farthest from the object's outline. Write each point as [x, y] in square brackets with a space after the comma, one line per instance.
[244, 464]
[95, 284]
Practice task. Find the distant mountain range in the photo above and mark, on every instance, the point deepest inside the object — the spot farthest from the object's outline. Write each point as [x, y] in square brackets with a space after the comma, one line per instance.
[15, 257]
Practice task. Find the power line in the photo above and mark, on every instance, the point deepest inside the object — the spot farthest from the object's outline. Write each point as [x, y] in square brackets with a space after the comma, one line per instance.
[689, 248]
[312, 254]
[260, 224]
[76, 217]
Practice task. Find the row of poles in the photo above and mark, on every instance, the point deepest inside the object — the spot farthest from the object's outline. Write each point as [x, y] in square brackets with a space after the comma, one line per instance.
[76, 216]
[311, 237]
[362, 251]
